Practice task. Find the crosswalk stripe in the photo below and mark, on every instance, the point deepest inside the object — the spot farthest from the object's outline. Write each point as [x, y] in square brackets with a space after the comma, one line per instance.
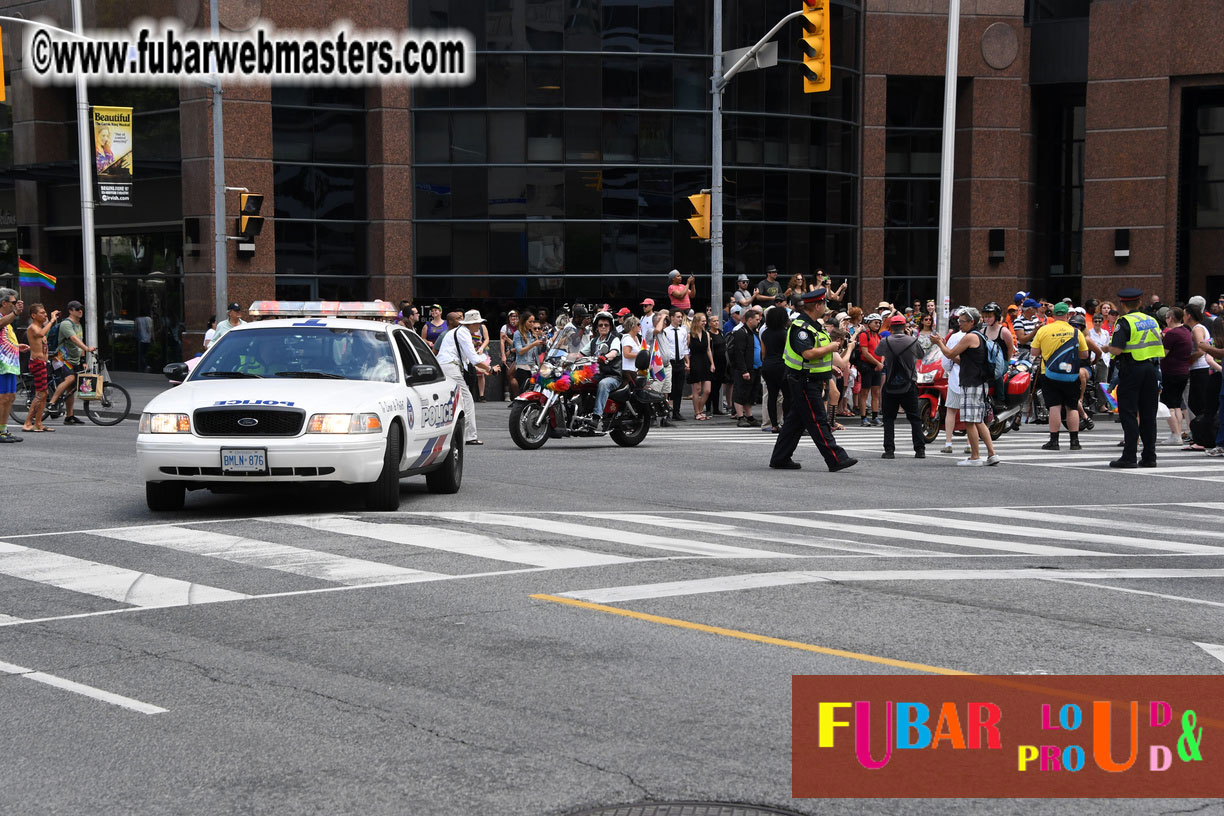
[105, 581]
[269, 555]
[715, 528]
[460, 542]
[729, 583]
[935, 538]
[1127, 525]
[7, 619]
[632, 538]
[1061, 534]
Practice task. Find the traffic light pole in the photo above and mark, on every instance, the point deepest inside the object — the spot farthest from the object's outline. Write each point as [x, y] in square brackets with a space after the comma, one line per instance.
[89, 260]
[220, 245]
[943, 286]
[716, 171]
[718, 83]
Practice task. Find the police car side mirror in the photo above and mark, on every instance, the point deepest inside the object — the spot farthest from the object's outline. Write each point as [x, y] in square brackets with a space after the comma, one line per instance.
[421, 373]
[176, 372]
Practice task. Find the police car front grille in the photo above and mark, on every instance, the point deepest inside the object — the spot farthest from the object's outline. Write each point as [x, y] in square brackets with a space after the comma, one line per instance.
[235, 421]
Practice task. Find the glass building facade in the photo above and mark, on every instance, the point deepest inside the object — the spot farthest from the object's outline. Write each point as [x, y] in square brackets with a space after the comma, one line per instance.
[562, 174]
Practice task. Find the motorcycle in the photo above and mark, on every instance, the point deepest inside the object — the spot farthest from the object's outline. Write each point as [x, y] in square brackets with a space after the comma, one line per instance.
[933, 399]
[932, 393]
[1019, 383]
[561, 398]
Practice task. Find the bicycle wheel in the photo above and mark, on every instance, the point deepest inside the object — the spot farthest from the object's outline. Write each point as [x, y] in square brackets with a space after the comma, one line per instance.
[21, 402]
[113, 408]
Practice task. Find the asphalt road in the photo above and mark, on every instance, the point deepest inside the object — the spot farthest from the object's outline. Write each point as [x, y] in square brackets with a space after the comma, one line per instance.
[290, 653]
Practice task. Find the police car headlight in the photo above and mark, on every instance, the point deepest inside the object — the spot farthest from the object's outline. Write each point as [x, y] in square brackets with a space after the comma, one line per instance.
[164, 423]
[344, 424]
[926, 377]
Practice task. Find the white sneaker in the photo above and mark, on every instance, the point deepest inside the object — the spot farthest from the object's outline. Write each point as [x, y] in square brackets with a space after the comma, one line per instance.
[1216, 451]
[1172, 440]
[946, 449]
[993, 459]
[970, 463]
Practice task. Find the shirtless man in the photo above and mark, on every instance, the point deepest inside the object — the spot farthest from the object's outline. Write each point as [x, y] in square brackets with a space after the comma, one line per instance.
[36, 333]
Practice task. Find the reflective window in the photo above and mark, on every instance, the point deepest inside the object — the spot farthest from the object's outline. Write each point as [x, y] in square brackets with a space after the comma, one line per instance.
[591, 125]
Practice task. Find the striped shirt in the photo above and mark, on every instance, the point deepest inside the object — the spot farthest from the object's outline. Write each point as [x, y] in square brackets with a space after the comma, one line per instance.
[1024, 325]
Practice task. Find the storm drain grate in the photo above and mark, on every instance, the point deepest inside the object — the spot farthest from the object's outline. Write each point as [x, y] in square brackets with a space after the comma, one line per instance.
[686, 809]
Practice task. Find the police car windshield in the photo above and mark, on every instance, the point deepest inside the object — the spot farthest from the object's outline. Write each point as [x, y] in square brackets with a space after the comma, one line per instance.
[306, 352]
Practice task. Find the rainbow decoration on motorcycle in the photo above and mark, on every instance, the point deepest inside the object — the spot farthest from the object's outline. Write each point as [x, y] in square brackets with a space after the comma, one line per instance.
[567, 379]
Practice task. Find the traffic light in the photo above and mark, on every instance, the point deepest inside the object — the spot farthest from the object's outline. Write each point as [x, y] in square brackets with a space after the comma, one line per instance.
[700, 222]
[250, 222]
[817, 63]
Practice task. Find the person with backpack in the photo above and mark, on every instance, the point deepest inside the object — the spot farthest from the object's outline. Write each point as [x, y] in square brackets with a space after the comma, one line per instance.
[972, 353]
[901, 353]
[1061, 346]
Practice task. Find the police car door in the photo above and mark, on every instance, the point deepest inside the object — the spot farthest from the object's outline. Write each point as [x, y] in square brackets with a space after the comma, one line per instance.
[436, 397]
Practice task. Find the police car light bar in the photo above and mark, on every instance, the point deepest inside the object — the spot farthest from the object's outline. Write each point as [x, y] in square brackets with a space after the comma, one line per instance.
[373, 310]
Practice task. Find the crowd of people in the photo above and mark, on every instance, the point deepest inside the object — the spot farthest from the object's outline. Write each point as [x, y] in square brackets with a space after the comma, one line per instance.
[735, 363]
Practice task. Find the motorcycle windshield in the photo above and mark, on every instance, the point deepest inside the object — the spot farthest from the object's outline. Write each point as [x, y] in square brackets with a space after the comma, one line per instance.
[933, 355]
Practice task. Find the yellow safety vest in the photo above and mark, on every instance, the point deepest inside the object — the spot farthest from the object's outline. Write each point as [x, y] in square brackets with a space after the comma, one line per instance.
[794, 360]
[1144, 342]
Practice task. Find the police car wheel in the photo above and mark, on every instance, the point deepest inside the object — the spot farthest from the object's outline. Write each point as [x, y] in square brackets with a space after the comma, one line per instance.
[165, 496]
[449, 477]
[383, 494]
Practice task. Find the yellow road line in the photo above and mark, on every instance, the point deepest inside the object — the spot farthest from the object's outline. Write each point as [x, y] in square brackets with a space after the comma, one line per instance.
[734, 633]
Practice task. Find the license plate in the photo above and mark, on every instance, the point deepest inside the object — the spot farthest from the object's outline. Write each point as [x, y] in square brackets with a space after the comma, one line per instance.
[242, 460]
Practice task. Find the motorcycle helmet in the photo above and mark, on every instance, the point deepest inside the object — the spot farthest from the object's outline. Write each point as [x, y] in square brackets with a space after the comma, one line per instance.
[994, 309]
[605, 316]
[1078, 321]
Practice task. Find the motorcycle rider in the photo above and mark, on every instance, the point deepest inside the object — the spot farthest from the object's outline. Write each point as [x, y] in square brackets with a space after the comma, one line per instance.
[605, 344]
[997, 333]
[995, 330]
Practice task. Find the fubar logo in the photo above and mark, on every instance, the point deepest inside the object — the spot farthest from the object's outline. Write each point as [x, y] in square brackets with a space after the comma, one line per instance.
[1007, 736]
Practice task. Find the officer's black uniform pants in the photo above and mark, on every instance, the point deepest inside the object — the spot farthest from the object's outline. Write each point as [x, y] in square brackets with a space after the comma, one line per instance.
[1138, 393]
[909, 403]
[805, 411]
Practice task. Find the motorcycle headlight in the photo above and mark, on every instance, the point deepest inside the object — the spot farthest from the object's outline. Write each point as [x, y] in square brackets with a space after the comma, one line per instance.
[926, 377]
[344, 424]
[164, 423]
[546, 369]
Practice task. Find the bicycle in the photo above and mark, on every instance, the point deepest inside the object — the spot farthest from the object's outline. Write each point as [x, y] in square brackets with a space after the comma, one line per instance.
[111, 408]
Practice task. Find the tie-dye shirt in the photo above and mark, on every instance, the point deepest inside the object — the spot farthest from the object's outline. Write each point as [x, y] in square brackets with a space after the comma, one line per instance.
[10, 359]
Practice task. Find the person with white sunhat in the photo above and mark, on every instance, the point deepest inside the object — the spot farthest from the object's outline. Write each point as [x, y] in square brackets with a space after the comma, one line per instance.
[457, 352]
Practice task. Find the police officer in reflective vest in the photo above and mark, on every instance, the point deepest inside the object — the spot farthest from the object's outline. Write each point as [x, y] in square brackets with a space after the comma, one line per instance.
[1138, 347]
[809, 365]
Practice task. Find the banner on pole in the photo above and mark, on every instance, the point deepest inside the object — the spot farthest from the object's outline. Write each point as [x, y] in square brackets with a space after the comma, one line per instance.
[112, 129]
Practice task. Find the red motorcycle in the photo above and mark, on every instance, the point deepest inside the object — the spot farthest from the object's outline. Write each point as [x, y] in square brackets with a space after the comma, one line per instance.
[933, 396]
[561, 398]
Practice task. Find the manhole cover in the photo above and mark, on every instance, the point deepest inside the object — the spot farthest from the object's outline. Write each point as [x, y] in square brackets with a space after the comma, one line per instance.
[686, 809]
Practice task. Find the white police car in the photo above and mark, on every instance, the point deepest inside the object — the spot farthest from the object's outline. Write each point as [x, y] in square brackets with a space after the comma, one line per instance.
[312, 398]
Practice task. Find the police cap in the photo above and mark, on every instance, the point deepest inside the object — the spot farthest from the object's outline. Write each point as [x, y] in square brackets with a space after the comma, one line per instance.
[1130, 293]
[814, 296]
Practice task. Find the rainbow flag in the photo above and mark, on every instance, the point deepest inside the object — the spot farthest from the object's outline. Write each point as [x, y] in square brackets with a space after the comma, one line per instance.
[656, 363]
[31, 275]
[1111, 397]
